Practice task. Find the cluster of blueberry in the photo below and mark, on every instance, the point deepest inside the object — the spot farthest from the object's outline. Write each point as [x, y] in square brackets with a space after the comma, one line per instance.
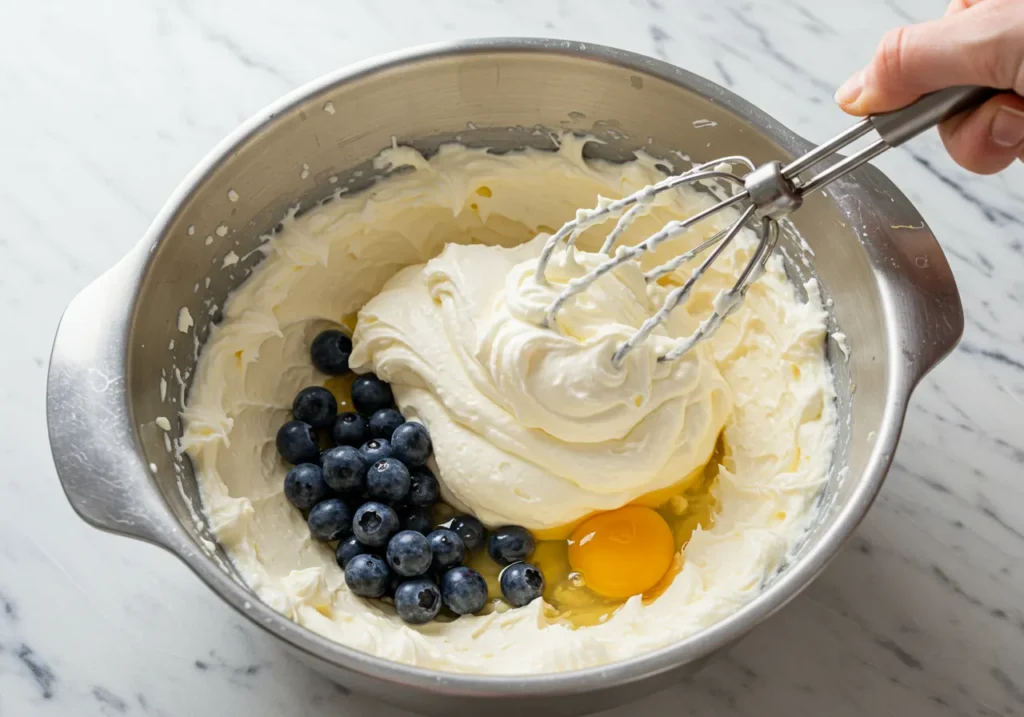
[372, 493]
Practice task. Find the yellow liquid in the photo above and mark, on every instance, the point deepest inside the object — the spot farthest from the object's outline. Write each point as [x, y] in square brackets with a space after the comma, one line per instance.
[685, 506]
[573, 602]
[341, 388]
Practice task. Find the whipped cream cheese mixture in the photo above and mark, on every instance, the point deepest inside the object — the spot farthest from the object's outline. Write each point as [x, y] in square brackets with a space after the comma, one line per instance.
[530, 426]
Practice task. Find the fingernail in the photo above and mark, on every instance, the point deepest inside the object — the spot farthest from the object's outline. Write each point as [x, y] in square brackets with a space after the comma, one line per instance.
[851, 89]
[1008, 127]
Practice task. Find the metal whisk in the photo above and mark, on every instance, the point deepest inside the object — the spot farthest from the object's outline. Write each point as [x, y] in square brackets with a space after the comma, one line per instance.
[769, 193]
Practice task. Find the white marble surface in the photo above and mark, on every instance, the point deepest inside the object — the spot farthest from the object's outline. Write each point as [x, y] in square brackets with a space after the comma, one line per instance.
[107, 104]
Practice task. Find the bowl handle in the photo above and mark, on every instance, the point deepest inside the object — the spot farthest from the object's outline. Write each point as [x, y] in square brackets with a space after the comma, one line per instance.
[915, 277]
[94, 447]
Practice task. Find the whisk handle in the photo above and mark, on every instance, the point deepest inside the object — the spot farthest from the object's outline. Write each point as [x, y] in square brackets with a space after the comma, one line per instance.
[901, 125]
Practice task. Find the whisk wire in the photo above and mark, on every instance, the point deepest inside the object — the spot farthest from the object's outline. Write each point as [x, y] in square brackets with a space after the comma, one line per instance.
[679, 295]
[627, 219]
[728, 301]
[624, 254]
[586, 218]
[771, 191]
[669, 266]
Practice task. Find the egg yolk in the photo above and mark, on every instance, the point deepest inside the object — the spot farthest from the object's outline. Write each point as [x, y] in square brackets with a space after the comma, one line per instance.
[622, 552]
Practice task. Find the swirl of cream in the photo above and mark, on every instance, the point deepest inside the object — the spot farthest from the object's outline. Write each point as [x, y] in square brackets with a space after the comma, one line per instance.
[531, 425]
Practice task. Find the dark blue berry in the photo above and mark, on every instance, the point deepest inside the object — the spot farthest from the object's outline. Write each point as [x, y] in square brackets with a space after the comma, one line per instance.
[375, 450]
[374, 524]
[410, 443]
[330, 519]
[447, 547]
[471, 530]
[350, 429]
[464, 591]
[393, 582]
[417, 601]
[297, 443]
[409, 553]
[388, 480]
[344, 469]
[424, 490]
[417, 519]
[384, 422]
[304, 486]
[367, 575]
[521, 584]
[510, 544]
[330, 351]
[370, 394]
[316, 406]
[348, 549]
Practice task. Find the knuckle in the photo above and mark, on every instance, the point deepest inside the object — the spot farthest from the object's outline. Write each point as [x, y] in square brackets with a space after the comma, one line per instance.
[1010, 63]
[997, 60]
[890, 58]
[956, 6]
[995, 51]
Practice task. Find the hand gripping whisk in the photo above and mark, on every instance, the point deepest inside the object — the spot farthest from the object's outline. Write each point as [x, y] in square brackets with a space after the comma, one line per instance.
[766, 194]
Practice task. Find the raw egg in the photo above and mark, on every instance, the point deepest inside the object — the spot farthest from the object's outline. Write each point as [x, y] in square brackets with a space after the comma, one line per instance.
[622, 552]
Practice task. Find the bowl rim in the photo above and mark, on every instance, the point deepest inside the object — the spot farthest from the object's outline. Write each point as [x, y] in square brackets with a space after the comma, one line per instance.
[639, 667]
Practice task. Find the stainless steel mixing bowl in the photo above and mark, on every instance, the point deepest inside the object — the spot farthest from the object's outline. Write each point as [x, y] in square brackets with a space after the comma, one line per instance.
[894, 298]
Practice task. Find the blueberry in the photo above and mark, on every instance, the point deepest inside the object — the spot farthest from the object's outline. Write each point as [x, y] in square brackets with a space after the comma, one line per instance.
[374, 524]
[297, 443]
[388, 480]
[344, 469]
[350, 429]
[384, 422]
[521, 584]
[348, 549]
[417, 601]
[464, 591]
[370, 394]
[316, 406]
[409, 553]
[510, 544]
[410, 443]
[417, 519]
[304, 486]
[471, 530]
[393, 582]
[424, 490]
[330, 351]
[367, 575]
[330, 520]
[448, 548]
[375, 450]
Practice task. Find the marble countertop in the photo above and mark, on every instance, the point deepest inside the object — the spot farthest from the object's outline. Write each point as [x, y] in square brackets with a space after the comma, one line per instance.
[109, 104]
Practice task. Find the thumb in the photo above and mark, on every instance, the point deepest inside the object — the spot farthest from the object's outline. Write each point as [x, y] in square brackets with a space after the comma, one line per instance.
[980, 45]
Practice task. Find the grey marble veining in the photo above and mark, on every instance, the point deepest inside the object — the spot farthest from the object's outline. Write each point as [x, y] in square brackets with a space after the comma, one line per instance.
[108, 104]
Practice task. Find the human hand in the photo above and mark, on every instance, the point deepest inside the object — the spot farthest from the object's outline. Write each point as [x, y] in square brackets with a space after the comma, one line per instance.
[977, 42]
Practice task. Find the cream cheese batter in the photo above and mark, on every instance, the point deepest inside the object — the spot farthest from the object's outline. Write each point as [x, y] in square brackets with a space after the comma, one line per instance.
[530, 426]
